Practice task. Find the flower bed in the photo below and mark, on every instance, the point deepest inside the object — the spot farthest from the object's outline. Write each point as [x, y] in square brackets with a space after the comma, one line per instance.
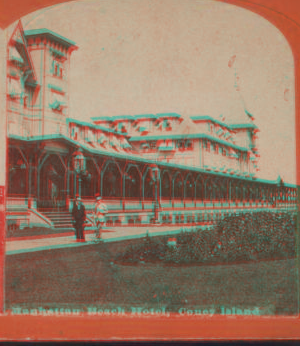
[246, 237]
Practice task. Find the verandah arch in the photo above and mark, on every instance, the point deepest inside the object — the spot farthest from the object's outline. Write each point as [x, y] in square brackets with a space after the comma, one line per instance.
[52, 181]
[90, 178]
[222, 185]
[17, 173]
[200, 188]
[212, 189]
[132, 182]
[235, 191]
[111, 180]
[151, 182]
[166, 185]
[178, 186]
[189, 186]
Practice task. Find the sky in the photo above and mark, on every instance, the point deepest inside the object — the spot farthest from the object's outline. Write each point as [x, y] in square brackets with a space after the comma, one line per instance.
[141, 57]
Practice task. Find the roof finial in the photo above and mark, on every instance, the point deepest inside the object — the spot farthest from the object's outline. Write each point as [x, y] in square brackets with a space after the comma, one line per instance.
[236, 77]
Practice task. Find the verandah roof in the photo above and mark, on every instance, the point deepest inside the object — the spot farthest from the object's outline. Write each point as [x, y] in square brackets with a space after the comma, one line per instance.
[131, 157]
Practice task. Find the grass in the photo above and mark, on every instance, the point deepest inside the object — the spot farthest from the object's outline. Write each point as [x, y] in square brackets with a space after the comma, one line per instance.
[88, 276]
[34, 231]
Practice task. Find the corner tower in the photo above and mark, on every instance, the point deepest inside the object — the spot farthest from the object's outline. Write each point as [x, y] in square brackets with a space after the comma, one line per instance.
[50, 54]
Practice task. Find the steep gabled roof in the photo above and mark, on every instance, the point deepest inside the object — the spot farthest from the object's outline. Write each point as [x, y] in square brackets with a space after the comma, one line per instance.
[19, 42]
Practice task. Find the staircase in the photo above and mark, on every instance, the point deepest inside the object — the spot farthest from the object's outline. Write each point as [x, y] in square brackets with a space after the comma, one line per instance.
[61, 219]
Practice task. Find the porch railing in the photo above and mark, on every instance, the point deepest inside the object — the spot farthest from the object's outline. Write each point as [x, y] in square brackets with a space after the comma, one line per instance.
[47, 203]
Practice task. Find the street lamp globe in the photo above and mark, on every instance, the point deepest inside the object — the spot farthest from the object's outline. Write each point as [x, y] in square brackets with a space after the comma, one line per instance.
[79, 162]
[79, 166]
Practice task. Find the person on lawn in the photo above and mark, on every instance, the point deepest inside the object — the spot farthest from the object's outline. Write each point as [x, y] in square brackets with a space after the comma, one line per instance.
[99, 215]
[79, 217]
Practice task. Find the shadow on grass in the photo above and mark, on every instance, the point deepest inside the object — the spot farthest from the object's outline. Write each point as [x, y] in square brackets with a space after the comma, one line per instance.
[88, 276]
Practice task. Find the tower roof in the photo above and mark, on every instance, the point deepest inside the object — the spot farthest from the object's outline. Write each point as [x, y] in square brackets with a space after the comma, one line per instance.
[51, 36]
[236, 112]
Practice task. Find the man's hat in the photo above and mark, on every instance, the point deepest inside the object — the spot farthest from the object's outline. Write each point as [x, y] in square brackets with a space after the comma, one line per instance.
[98, 197]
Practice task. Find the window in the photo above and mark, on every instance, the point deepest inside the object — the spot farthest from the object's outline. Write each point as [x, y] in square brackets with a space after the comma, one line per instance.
[180, 144]
[188, 144]
[208, 146]
[57, 69]
[152, 145]
[184, 144]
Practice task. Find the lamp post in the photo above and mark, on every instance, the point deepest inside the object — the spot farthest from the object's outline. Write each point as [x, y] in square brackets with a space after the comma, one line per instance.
[79, 165]
[155, 177]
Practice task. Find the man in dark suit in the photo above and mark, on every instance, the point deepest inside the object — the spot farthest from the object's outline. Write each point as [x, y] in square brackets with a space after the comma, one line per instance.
[78, 214]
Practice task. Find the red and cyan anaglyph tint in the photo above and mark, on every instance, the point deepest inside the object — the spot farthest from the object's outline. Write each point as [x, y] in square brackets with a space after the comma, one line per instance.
[184, 207]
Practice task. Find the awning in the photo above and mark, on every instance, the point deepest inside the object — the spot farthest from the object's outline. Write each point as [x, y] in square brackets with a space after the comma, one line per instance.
[58, 101]
[143, 129]
[166, 147]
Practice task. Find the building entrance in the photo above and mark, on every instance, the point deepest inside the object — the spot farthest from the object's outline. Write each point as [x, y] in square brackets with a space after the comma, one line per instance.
[52, 182]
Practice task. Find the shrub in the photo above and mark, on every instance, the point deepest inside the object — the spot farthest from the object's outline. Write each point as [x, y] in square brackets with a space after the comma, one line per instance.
[246, 237]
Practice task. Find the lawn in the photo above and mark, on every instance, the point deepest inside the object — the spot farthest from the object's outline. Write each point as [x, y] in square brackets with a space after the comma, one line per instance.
[87, 276]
